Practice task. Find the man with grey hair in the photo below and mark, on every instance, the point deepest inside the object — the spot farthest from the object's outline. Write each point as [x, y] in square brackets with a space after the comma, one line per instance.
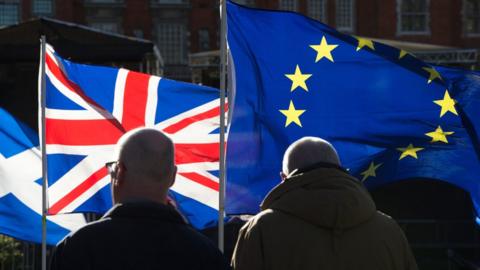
[320, 217]
[142, 230]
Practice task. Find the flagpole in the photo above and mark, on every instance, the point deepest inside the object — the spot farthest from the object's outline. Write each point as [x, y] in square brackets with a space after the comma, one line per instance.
[44, 154]
[223, 68]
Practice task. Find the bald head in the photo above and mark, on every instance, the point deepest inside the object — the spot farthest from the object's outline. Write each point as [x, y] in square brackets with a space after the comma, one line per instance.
[146, 165]
[306, 152]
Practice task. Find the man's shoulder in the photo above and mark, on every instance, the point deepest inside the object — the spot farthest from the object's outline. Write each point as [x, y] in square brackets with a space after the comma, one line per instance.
[387, 225]
[105, 232]
[73, 249]
[85, 233]
[385, 219]
[103, 229]
[263, 219]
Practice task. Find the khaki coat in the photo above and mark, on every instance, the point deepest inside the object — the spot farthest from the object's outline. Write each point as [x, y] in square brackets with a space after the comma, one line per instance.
[322, 219]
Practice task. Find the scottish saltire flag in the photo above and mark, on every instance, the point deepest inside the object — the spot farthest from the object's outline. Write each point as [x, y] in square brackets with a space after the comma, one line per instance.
[390, 116]
[21, 187]
[90, 107]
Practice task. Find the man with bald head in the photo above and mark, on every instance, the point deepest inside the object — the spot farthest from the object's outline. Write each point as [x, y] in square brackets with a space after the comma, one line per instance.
[320, 217]
[142, 230]
[151, 168]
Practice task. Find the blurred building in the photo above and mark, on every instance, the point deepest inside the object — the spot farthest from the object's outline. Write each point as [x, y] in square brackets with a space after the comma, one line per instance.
[178, 27]
[440, 31]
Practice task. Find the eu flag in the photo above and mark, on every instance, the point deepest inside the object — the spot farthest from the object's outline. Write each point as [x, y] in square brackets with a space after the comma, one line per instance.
[390, 116]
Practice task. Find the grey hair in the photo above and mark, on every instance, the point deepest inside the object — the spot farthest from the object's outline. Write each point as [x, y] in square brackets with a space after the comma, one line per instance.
[308, 151]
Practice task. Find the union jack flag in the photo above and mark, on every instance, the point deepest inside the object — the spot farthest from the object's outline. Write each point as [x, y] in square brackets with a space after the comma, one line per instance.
[89, 107]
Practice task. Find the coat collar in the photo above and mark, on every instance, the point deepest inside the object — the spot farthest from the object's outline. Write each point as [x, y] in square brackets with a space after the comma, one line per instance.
[145, 210]
[299, 179]
[325, 197]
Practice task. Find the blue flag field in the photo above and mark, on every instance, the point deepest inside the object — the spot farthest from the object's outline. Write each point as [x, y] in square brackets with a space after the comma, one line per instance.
[391, 116]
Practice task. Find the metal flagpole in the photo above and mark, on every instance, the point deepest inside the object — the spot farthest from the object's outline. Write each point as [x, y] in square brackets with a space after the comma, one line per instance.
[44, 152]
[223, 69]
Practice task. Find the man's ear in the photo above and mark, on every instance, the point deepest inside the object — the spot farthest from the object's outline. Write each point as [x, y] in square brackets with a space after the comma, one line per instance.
[120, 178]
[283, 176]
[174, 174]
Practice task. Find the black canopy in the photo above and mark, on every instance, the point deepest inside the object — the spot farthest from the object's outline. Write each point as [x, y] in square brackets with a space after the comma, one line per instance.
[79, 43]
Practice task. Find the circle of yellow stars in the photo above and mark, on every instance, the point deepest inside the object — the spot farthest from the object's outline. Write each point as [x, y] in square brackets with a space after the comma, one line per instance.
[324, 50]
[447, 105]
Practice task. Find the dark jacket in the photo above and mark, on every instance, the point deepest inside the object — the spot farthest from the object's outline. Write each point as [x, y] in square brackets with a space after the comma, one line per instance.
[140, 235]
[321, 219]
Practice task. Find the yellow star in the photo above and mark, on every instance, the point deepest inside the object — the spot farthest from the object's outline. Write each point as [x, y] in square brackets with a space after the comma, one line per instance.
[298, 79]
[292, 115]
[402, 54]
[362, 42]
[410, 150]
[433, 74]
[439, 135]
[447, 104]
[370, 171]
[324, 50]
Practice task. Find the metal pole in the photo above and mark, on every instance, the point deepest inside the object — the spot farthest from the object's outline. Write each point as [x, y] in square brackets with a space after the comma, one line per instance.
[44, 153]
[223, 69]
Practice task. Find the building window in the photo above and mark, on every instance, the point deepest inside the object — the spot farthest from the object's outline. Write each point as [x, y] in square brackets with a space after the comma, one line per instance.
[111, 27]
[203, 39]
[413, 16]
[317, 10]
[8, 14]
[42, 7]
[171, 40]
[345, 15]
[290, 5]
[471, 13]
